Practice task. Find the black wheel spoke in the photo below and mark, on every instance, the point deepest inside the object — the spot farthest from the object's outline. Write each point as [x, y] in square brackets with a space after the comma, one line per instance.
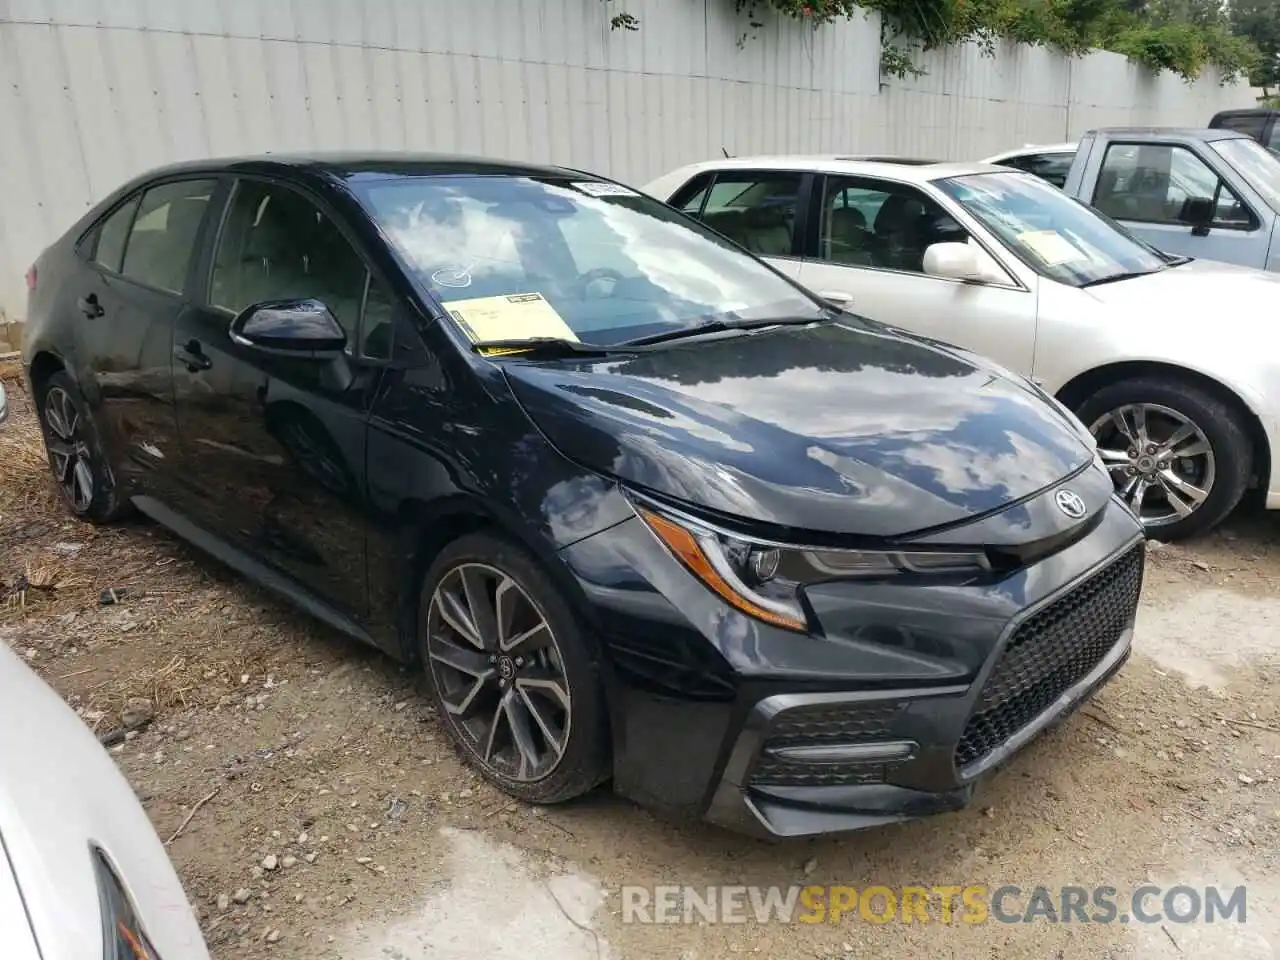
[497, 671]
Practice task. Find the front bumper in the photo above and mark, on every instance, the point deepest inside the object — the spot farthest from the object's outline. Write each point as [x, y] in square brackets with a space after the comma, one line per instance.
[896, 713]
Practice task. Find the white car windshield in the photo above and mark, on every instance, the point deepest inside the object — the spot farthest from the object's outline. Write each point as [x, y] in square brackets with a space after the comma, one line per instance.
[519, 257]
[1053, 233]
[1258, 165]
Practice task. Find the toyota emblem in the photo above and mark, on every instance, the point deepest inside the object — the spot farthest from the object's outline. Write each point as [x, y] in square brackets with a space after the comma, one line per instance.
[1070, 503]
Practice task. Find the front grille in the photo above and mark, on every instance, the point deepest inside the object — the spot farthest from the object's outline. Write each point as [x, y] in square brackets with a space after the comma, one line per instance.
[1052, 651]
[821, 726]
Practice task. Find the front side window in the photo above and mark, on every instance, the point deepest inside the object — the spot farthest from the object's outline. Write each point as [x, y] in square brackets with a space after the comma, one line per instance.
[755, 209]
[163, 237]
[871, 223]
[519, 257]
[1051, 232]
[1151, 183]
[277, 245]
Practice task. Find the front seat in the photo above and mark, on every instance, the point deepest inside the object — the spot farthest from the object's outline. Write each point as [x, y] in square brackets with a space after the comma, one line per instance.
[900, 233]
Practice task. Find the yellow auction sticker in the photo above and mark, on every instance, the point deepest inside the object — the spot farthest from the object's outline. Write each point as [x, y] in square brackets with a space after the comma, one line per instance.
[516, 316]
[1051, 247]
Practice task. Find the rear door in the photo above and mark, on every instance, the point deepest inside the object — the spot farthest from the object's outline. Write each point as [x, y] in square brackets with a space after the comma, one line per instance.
[868, 249]
[129, 294]
[761, 210]
[275, 445]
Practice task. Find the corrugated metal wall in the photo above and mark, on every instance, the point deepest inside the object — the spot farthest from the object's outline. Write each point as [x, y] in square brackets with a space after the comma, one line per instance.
[94, 91]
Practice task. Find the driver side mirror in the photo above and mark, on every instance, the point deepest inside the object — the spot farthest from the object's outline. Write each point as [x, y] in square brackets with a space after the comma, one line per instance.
[1199, 214]
[959, 261]
[295, 328]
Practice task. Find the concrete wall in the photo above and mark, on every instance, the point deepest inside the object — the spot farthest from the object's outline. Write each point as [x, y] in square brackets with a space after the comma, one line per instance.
[94, 91]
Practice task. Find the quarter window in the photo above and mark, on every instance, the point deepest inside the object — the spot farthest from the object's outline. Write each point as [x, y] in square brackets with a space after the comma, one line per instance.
[889, 226]
[162, 239]
[112, 234]
[755, 210]
[277, 245]
[1151, 183]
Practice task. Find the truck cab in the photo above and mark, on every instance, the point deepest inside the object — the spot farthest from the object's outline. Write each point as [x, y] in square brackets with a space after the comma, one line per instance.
[1212, 194]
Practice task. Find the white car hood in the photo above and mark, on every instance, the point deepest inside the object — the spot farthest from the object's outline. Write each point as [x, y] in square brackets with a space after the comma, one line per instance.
[1205, 290]
[60, 792]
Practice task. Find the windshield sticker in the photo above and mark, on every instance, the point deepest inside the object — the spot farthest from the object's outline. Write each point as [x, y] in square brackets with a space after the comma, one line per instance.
[517, 316]
[1052, 247]
[452, 277]
[595, 188]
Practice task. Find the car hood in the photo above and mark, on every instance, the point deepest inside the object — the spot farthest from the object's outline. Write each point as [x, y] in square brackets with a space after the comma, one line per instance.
[1199, 289]
[834, 428]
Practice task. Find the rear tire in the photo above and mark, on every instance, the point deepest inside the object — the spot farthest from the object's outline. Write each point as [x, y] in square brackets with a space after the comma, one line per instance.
[1207, 470]
[514, 678]
[77, 458]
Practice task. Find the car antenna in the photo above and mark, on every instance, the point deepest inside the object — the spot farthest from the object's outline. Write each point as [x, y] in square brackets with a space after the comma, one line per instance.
[725, 152]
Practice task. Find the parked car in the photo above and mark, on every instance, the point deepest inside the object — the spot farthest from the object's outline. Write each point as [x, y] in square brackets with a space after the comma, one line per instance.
[1213, 194]
[1049, 162]
[83, 875]
[4, 405]
[1186, 409]
[1257, 122]
[642, 508]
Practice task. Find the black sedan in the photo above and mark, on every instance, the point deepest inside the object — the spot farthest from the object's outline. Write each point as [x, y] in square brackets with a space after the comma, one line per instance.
[641, 508]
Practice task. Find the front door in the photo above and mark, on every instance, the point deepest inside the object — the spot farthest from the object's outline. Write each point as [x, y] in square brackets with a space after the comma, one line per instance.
[128, 297]
[1145, 186]
[275, 445]
[867, 250]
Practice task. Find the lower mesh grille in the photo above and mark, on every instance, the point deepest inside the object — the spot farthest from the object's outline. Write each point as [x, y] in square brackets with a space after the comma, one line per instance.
[822, 726]
[1051, 652]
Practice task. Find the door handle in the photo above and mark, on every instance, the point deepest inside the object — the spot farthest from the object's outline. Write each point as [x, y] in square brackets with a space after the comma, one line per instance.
[90, 306]
[193, 357]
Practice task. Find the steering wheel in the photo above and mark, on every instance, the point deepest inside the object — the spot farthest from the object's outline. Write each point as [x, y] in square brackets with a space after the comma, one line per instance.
[599, 283]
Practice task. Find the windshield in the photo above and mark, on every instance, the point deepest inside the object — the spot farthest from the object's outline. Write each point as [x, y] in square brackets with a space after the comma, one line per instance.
[515, 257]
[1258, 165]
[1051, 232]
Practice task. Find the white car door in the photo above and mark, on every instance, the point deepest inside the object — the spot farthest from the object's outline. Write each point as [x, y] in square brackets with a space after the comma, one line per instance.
[869, 254]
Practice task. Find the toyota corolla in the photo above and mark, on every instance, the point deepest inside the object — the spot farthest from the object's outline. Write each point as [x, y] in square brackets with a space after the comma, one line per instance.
[642, 509]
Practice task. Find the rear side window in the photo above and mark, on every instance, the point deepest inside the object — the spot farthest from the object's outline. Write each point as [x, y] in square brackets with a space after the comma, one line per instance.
[1050, 167]
[1250, 124]
[163, 238]
[755, 209]
[112, 234]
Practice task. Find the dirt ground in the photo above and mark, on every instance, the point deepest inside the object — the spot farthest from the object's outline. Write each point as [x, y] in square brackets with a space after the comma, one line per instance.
[333, 820]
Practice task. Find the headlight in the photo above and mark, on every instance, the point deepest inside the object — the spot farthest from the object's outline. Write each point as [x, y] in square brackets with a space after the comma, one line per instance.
[122, 934]
[763, 579]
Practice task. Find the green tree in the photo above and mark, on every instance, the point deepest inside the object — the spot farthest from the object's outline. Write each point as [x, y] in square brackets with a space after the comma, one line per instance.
[1259, 22]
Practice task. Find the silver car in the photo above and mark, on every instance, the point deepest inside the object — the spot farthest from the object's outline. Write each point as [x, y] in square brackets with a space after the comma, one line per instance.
[4, 405]
[83, 875]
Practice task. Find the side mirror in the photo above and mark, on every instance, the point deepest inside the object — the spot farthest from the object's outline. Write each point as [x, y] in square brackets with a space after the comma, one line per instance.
[1198, 213]
[296, 328]
[954, 261]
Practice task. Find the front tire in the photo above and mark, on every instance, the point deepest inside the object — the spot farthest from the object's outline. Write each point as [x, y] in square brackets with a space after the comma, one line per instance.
[76, 455]
[1179, 455]
[514, 678]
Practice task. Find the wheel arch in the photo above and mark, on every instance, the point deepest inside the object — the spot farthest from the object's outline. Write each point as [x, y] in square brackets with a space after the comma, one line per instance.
[44, 364]
[1082, 386]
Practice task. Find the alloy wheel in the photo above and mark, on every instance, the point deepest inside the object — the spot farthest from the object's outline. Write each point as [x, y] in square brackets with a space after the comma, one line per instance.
[1161, 460]
[68, 451]
[499, 672]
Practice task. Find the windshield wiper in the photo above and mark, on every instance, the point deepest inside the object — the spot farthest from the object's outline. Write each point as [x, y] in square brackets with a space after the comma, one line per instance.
[1122, 275]
[554, 346]
[718, 326]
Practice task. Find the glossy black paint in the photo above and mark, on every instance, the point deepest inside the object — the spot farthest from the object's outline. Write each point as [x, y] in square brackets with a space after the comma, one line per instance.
[335, 479]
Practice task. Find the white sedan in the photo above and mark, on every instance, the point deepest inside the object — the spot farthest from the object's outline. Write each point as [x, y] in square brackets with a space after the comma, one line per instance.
[83, 875]
[1173, 364]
